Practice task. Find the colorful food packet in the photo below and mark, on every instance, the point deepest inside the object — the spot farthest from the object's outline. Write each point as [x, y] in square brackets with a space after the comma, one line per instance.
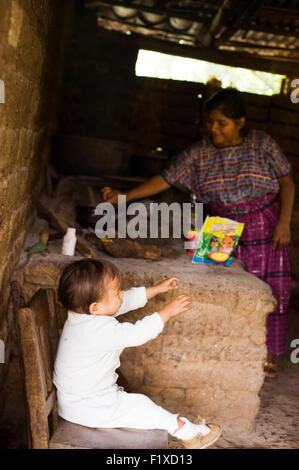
[217, 241]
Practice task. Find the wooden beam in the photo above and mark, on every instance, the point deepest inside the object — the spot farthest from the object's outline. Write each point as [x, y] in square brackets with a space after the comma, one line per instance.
[275, 30]
[279, 13]
[233, 59]
[256, 45]
[243, 17]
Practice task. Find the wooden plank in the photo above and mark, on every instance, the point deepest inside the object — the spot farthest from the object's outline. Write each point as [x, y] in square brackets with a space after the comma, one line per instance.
[284, 116]
[50, 401]
[164, 98]
[283, 130]
[279, 13]
[126, 248]
[53, 324]
[177, 86]
[259, 113]
[34, 379]
[40, 306]
[179, 114]
[287, 145]
[285, 102]
[177, 143]
[73, 436]
[18, 302]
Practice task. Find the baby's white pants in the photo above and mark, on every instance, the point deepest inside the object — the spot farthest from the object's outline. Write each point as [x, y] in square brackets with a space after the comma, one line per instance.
[119, 409]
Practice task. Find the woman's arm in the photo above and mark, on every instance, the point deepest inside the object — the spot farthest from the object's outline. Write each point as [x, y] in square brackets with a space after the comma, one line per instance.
[154, 185]
[282, 232]
[287, 196]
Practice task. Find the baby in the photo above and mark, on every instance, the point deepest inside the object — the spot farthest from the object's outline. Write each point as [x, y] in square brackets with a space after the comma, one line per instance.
[90, 346]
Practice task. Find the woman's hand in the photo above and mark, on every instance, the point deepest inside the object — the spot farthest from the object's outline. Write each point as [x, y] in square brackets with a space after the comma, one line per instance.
[154, 185]
[162, 287]
[178, 305]
[281, 234]
[282, 231]
[110, 195]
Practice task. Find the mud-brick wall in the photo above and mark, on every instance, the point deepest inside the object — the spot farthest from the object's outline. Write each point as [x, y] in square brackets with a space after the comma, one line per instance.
[30, 53]
[96, 100]
[208, 360]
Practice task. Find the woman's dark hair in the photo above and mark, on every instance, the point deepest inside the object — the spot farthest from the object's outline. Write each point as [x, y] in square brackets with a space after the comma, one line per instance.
[83, 282]
[229, 101]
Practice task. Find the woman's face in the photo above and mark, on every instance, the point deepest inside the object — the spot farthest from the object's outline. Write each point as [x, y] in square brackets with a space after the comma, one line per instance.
[223, 130]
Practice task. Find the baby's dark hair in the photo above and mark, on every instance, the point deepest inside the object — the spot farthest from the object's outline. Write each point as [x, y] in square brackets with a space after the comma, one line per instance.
[83, 282]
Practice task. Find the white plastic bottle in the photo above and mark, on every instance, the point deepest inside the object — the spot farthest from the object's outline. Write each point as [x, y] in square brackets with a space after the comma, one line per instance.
[69, 242]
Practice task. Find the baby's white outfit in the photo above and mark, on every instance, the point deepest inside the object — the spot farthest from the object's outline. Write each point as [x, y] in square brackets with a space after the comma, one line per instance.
[84, 371]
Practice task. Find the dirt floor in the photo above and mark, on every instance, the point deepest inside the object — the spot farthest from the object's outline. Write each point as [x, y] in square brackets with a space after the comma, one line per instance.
[277, 423]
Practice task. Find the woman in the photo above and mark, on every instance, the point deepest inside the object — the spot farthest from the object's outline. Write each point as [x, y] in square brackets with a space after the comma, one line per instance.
[243, 175]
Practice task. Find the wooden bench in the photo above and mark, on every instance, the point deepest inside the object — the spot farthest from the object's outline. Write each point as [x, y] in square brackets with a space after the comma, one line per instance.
[37, 332]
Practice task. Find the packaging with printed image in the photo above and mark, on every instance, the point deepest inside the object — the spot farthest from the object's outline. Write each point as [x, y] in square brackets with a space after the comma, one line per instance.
[217, 241]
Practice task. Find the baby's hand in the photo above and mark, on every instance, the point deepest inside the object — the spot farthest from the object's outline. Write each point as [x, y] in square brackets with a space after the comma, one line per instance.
[164, 286]
[168, 284]
[178, 305]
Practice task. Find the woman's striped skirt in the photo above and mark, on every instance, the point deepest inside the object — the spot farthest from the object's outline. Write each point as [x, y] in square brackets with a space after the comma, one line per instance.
[255, 249]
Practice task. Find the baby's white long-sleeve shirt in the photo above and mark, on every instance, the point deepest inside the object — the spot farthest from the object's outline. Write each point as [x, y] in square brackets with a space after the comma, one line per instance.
[90, 346]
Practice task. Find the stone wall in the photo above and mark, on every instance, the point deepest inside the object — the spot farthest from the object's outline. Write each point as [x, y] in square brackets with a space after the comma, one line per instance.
[30, 58]
[207, 361]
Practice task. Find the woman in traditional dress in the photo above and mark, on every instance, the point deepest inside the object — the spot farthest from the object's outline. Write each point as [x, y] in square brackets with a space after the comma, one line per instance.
[242, 174]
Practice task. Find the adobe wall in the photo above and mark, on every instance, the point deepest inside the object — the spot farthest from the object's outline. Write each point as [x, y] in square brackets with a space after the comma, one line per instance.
[30, 55]
[207, 361]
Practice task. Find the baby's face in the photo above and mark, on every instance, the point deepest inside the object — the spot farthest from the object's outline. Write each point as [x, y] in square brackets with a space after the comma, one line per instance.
[112, 300]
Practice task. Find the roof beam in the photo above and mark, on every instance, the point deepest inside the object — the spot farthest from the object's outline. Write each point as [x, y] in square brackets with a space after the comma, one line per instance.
[216, 24]
[244, 16]
[285, 66]
[275, 30]
[280, 13]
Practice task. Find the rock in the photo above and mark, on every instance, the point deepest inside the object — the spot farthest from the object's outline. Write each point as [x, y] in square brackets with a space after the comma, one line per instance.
[208, 360]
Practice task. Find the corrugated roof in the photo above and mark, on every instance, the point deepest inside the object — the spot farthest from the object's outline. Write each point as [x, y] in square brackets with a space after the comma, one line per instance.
[267, 28]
